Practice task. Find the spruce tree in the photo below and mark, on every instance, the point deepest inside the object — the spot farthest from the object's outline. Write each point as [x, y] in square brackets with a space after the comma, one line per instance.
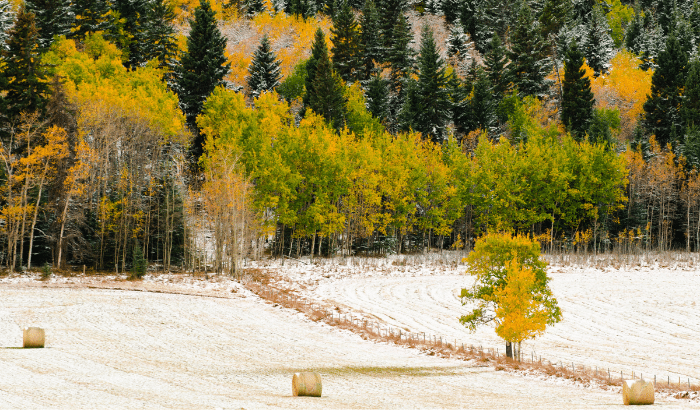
[529, 65]
[202, 68]
[473, 18]
[599, 47]
[457, 42]
[25, 74]
[431, 96]
[690, 110]
[328, 97]
[318, 52]
[90, 16]
[264, 71]
[496, 61]
[345, 37]
[577, 100]
[460, 93]
[377, 96]
[53, 18]
[159, 35]
[482, 104]
[555, 14]
[253, 7]
[133, 14]
[401, 56]
[390, 14]
[370, 43]
[7, 18]
[661, 110]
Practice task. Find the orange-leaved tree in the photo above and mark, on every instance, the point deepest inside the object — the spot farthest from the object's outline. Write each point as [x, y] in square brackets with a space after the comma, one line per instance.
[511, 288]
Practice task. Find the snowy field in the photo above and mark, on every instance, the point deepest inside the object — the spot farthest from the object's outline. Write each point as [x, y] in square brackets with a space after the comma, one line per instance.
[128, 350]
[644, 318]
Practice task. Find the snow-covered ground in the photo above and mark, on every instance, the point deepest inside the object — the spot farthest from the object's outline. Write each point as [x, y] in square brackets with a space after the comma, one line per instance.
[643, 319]
[126, 349]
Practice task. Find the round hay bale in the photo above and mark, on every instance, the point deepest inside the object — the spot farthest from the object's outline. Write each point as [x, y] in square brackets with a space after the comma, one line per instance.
[637, 392]
[306, 384]
[33, 337]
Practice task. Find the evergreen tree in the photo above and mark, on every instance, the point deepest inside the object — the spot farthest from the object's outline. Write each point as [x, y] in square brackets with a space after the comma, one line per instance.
[482, 104]
[633, 34]
[302, 8]
[138, 262]
[53, 18]
[691, 146]
[496, 61]
[253, 7]
[599, 47]
[133, 14]
[431, 96]
[390, 15]
[457, 42]
[528, 55]
[25, 74]
[473, 19]
[661, 110]
[370, 43]
[401, 56]
[318, 53]
[159, 35]
[450, 8]
[599, 129]
[690, 110]
[555, 14]
[345, 37]
[577, 100]
[582, 9]
[461, 92]
[264, 71]
[202, 68]
[90, 16]
[328, 97]
[7, 18]
[377, 96]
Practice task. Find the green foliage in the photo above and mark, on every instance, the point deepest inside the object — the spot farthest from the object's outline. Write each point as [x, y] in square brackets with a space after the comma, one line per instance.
[371, 46]
[53, 18]
[619, 16]
[346, 44]
[577, 100]
[400, 54]
[202, 68]
[91, 16]
[293, 86]
[318, 53]
[264, 71]
[328, 94]
[496, 61]
[529, 65]
[378, 97]
[25, 73]
[138, 262]
[489, 264]
[159, 36]
[604, 121]
[661, 110]
[46, 271]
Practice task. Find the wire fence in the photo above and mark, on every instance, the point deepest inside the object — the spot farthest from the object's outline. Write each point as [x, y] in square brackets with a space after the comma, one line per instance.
[436, 344]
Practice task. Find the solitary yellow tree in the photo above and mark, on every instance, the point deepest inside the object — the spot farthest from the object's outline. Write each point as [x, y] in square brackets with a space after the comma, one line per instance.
[511, 289]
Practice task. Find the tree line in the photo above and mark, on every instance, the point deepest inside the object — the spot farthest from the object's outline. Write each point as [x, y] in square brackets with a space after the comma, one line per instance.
[117, 139]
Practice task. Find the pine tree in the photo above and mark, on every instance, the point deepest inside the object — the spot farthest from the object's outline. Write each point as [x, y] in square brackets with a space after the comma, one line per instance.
[90, 16]
[661, 110]
[7, 18]
[253, 7]
[457, 42]
[555, 15]
[159, 35]
[496, 61]
[133, 14]
[450, 8]
[390, 14]
[25, 74]
[401, 55]
[345, 37]
[202, 68]
[431, 94]
[529, 65]
[599, 47]
[577, 100]
[473, 18]
[370, 43]
[318, 53]
[328, 97]
[482, 104]
[462, 117]
[377, 96]
[53, 18]
[690, 110]
[264, 71]
[302, 8]
[582, 9]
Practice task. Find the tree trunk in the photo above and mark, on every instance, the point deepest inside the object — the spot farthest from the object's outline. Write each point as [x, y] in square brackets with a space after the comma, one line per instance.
[509, 349]
[31, 233]
[60, 236]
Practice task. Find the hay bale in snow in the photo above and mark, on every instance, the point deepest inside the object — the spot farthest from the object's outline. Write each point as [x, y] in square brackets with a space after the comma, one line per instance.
[33, 337]
[306, 384]
[637, 392]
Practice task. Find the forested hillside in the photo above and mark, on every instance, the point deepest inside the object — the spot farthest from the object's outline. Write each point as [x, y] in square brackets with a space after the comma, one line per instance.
[189, 134]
